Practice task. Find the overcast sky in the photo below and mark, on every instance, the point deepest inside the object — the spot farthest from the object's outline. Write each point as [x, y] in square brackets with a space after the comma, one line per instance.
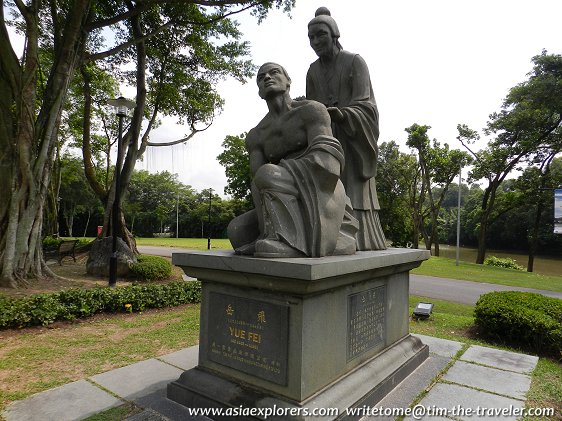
[432, 62]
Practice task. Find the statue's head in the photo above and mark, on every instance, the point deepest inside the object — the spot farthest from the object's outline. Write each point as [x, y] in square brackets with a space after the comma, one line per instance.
[322, 23]
[272, 78]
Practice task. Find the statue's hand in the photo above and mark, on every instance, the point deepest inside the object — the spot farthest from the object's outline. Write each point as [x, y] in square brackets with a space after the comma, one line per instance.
[335, 114]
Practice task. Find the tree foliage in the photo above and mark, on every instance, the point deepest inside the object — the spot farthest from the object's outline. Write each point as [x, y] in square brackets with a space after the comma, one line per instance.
[236, 162]
[527, 125]
[396, 171]
[155, 38]
[438, 166]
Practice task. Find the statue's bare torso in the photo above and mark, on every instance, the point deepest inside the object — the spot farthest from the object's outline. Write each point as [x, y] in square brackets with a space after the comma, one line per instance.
[286, 136]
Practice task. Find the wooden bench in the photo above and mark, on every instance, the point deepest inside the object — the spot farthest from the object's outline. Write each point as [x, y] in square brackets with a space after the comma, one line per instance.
[66, 248]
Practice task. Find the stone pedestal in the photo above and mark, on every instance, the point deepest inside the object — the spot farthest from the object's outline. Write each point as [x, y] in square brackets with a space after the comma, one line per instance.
[300, 334]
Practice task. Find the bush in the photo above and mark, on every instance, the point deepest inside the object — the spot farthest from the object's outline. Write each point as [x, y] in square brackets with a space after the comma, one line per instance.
[43, 309]
[151, 268]
[526, 319]
[505, 262]
[51, 242]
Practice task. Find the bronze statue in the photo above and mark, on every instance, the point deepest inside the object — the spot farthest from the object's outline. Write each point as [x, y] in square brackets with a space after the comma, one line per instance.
[340, 80]
[301, 208]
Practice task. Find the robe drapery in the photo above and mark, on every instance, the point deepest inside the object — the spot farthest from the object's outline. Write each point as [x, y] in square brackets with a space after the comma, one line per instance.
[313, 218]
[346, 85]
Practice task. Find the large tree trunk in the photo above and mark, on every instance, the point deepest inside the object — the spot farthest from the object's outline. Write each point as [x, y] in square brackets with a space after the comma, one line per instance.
[28, 141]
[481, 255]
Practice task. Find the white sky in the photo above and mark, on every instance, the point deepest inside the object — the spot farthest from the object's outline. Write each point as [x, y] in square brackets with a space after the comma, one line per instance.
[433, 62]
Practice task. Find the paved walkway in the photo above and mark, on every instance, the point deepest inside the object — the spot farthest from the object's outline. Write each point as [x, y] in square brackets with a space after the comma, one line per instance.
[478, 377]
[465, 292]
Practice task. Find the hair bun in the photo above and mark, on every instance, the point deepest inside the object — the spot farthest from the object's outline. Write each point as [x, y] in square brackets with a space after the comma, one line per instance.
[322, 11]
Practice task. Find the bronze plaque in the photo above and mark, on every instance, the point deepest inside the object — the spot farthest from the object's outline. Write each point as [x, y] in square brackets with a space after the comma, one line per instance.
[365, 321]
[249, 335]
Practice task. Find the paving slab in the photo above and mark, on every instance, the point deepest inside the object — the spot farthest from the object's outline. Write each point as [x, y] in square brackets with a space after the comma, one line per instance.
[185, 359]
[73, 401]
[158, 403]
[443, 347]
[453, 397]
[138, 379]
[508, 383]
[404, 394]
[506, 360]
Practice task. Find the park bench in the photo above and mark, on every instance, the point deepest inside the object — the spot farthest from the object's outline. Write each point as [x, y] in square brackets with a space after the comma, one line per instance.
[64, 249]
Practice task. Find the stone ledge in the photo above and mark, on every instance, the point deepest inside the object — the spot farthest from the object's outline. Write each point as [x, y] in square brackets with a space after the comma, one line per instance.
[297, 275]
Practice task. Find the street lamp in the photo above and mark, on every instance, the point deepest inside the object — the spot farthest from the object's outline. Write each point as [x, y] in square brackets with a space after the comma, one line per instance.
[121, 106]
[209, 233]
[458, 251]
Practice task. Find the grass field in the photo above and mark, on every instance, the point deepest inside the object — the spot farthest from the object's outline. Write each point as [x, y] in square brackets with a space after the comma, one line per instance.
[36, 359]
[545, 265]
[187, 243]
[446, 268]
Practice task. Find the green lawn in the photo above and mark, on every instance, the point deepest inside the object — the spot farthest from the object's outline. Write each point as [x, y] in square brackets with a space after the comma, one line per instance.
[38, 359]
[186, 243]
[446, 268]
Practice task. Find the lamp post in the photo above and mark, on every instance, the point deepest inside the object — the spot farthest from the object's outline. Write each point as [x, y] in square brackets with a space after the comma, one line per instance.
[209, 231]
[121, 106]
[458, 251]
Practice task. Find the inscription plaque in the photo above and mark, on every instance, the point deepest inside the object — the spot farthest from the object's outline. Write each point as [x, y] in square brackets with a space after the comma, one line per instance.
[249, 335]
[365, 321]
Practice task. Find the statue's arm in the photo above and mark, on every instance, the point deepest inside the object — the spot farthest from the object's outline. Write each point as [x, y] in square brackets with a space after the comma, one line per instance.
[317, 121]
[360, 81]
[255, 151]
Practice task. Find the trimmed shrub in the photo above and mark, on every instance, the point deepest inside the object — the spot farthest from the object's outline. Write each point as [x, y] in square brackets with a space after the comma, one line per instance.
[151, 268]
[502, 262]
[526, 319]
[52, 242]
[43, 309]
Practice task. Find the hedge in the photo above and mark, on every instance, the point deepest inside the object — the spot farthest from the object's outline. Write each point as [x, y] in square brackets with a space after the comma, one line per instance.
[43, 309]
[151, 268]
[502, 262]
[526, 319]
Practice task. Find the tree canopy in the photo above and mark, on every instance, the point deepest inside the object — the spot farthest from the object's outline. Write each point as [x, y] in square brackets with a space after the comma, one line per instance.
[527, 126]
[149, 43]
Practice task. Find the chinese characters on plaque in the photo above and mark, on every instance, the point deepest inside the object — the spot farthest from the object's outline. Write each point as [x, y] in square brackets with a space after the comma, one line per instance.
[249, 335]
[365, 321]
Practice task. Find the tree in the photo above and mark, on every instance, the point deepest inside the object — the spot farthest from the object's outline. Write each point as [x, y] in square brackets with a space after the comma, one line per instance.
[236, 162]
[438, 166]
[395, 174]
[75, 196]
[536, 185]
[448, 214]
[152, 199]
[528, 124]
[61, 37]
